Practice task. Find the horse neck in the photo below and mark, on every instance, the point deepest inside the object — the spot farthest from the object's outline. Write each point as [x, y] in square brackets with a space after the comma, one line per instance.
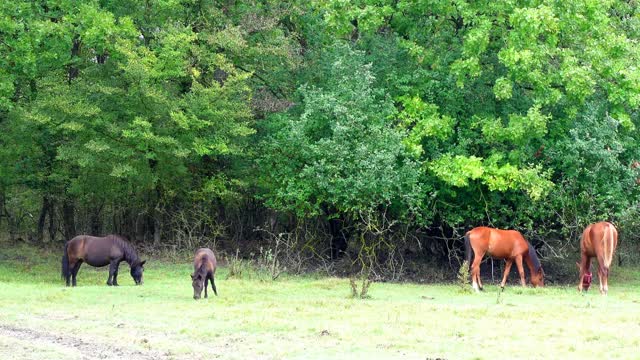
[533, 264]
[131, 259]
[202, 269]
[529, 261]
[130, 255]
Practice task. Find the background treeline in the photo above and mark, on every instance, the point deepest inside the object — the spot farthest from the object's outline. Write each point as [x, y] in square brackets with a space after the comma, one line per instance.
[369, 133]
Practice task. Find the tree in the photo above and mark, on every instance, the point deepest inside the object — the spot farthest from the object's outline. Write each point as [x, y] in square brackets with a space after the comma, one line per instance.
[341, 149]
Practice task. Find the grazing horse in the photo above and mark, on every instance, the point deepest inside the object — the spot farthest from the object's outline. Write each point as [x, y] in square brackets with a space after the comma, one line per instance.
[204, 267]
[598, 240]
[501, 244]
[100, 251]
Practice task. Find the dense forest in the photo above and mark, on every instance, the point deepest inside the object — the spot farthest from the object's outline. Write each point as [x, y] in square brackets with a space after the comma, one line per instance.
[368, 132]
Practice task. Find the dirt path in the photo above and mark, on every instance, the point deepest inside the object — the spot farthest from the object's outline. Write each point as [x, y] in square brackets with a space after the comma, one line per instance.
[87, 350]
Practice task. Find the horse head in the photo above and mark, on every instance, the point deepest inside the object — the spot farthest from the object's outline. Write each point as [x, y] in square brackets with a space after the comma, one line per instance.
[537, 278]
[137, 271]
[198, 284]
[586, 279]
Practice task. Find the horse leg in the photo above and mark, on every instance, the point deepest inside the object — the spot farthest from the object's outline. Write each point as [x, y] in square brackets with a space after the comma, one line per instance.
[213, 285]
[74, 272]
[475, 271]
[113, 273]
[602, 273]
[585, 264]
[520, 270]
[507, 269]
[206, 284]
[605, 279]
[67, 276]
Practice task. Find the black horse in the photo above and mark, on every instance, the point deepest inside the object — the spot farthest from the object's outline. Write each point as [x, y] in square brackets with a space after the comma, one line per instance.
[100, 251]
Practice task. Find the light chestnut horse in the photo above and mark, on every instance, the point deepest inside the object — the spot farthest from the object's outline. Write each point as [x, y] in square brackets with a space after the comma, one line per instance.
[598, 240]
[501, 244]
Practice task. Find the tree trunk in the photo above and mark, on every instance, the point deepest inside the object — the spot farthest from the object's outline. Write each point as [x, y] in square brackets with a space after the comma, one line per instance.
[11, 224]
[52, 223]
[96, 221]
[46, 209]
[2, 200]
[157, 227]
[68, 218]
[73, 70]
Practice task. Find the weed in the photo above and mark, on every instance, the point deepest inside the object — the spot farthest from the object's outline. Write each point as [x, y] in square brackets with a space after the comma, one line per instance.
[463, 278]
[237, 266]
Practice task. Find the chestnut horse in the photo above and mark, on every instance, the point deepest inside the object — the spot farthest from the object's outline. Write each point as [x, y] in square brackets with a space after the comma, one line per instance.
[100, 251]
[501, 244]
[598, 240]
[204, 267]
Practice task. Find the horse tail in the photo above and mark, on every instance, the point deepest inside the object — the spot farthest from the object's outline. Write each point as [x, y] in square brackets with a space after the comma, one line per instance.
[468, 250]
[65, 261]
[607, 246]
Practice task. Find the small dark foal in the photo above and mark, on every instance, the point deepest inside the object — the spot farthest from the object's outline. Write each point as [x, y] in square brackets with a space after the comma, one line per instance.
[204, 267]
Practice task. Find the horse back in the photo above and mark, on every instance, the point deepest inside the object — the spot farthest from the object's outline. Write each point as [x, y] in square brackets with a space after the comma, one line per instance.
[594, 236]
[76, 247]
[498, 243]
[205, 257]
[95, 251]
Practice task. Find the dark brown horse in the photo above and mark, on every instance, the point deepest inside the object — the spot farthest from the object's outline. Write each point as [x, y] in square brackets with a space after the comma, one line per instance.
[100, 251]
[204, 267]
[501, 244]
[598, 240]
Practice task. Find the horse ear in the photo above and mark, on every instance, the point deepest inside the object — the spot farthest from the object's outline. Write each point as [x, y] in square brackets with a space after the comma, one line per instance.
[142, 263]
[192, 276]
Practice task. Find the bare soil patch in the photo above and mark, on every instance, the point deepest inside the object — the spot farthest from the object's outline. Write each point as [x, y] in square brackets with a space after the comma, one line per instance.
[87, 350]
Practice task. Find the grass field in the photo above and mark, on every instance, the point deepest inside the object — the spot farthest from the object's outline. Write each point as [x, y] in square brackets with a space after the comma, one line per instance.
[302, 318]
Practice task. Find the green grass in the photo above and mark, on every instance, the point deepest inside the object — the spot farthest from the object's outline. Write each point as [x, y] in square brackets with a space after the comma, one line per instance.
[309, 317]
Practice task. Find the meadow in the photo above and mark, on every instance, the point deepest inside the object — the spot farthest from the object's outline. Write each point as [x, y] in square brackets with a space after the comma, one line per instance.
[302, 317]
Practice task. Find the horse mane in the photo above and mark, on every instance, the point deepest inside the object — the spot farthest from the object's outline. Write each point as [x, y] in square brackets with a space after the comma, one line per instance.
[202, 269]
[534, 257]
[130, 254]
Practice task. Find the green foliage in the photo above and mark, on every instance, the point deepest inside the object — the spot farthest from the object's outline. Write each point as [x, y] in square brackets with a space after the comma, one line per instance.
[436, 114]
[121, 103]
[340, 149]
